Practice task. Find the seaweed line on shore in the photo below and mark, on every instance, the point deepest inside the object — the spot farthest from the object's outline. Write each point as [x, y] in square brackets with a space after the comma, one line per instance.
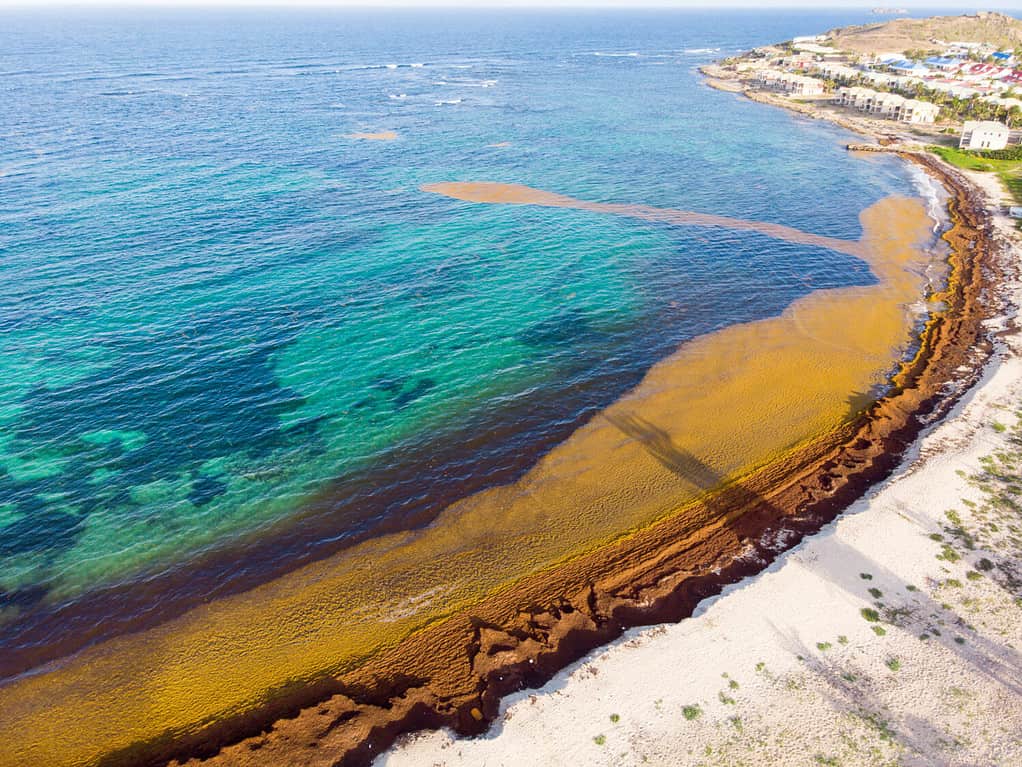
[454, 672]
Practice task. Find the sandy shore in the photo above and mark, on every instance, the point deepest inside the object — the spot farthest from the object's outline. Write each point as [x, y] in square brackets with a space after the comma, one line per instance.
[785, 669]
[890, 637]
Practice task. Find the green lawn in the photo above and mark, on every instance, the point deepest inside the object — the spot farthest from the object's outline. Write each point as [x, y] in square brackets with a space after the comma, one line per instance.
[1009, 171]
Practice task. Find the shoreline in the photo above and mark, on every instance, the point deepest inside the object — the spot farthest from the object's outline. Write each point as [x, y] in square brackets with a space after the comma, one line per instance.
[789, 666]
[528, 638]
[529, 631]
[628, 675]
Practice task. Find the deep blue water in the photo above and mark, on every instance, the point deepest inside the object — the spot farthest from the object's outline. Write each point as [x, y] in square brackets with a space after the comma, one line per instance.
[219, 313]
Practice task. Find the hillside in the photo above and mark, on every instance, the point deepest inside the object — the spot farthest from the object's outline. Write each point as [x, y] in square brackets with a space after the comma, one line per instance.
[900, 35]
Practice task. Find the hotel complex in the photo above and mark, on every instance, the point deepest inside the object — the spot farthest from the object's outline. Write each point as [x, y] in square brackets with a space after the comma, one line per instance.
[894, 87]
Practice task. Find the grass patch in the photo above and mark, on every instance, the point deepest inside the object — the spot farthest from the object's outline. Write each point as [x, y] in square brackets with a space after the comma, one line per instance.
[866, 576]
[691, 712]
[876, 593]
[599, 740]
[615, 718]
[870, 614]
[1009, 171]
[879, 630]
[893, 664]
[823, 646]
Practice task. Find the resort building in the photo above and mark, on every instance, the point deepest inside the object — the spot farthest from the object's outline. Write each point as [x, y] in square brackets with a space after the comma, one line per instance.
[888, 105]
[838, 71]
[944, 63]
[985, 134]
[905, 67]
[919, 112]
[797, 85]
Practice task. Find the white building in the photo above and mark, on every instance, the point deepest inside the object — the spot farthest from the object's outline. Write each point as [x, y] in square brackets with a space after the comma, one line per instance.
[835, 70]
[916, 111]
[888, 105]
[985, 134]
[797, 85]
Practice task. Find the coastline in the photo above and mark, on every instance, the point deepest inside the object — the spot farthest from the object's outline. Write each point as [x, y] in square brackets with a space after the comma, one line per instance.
[454, 673]
[856, 718]
[525, 634]
[889, 637]
[788, 666]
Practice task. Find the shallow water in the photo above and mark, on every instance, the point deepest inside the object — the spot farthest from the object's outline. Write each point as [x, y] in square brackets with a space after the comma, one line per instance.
[235, 331]
[239, 339]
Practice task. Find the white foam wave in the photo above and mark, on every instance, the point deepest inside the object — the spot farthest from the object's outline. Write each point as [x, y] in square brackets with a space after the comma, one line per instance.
[629, 54]
[466, 83]
[397, 96]
[447, 102]
[931, 192]
[694, 51]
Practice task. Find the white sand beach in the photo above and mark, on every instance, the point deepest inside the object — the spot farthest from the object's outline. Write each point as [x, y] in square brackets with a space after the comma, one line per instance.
[893, 636]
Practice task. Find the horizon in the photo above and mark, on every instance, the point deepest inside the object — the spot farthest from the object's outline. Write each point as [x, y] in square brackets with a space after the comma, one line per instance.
[913, 6]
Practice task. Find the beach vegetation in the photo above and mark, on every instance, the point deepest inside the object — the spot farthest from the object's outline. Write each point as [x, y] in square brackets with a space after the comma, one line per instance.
[876, 593]
[849, 677]
[615, 718]
[953, 583]
[879, 630]
[870, 614]
[733, 684]
[998, 426]
[948, 554]
[910, 587]
[599, 740]
[736, 722]
[985, 565]
[877, 723]
[726, 699]
[691, 712]
[823, 646]
[972, 575]
[893, 664]
[959, 640]
[828, 761]
[842, 639]
[1008, 167]
[866, 576]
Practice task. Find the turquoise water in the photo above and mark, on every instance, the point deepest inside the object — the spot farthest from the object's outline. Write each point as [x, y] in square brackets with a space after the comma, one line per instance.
[234, 339]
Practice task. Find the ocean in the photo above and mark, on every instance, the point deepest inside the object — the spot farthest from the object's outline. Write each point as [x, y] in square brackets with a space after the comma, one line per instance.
[237, 337]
